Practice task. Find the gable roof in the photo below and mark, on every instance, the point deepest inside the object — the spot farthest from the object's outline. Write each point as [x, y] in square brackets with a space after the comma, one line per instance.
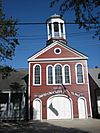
[39, 55]
[94, 72]
[14, 81]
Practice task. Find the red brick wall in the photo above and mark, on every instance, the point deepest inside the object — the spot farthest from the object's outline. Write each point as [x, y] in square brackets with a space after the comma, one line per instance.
[82, 88]
[64, 53]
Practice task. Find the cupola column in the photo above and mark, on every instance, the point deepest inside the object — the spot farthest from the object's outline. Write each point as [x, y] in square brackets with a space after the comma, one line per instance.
[48, 31]
[59, 30]
[52, 27]
[64, 34]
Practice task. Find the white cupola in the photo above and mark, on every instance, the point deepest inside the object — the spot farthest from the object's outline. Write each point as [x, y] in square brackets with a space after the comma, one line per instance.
[55, 29]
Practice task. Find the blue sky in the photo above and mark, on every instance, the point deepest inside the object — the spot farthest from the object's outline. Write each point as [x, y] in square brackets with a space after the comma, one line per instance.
[32, 38]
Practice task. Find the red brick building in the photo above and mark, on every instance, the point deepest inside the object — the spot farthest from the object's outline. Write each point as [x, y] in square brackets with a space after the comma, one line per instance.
[58, 78]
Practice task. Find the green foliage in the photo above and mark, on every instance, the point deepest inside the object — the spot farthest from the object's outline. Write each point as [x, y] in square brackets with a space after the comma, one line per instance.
[86, 12]
[5, 71]
[8, 40]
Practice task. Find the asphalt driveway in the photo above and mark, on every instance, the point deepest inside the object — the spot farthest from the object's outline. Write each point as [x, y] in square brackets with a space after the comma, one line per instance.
[54, 126]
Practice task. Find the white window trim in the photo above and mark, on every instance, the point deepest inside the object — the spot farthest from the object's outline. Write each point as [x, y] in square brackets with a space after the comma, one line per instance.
[34, 75]
[47, 75]
[56, 52]
[64, 75]
[82, 73]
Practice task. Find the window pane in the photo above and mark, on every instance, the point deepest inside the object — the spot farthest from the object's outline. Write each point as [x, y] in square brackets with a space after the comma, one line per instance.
[67, 76]
[58, 74]
[50, 75]
[37, 74]
[80, 79]
[79, 74]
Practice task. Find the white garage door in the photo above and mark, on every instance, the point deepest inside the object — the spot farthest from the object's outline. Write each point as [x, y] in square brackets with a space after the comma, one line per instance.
[37, 109]
[82, 108]
[59, 107]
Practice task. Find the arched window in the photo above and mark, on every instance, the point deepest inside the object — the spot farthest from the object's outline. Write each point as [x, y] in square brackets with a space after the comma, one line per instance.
[37, 75]
[67, 74]
[79, 74]
[58, 74]
[50, 75]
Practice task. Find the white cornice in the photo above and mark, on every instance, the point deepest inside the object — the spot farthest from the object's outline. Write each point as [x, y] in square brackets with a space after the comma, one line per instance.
[57, 59]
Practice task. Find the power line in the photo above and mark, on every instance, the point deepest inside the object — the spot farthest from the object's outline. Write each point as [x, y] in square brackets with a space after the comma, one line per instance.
[30, 23]
[39, 37]
[39, 23]
[44, 23]
[74, 33]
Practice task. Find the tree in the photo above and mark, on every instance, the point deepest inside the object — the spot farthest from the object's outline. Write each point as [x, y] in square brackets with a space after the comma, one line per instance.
[8, 40]
[86, 12]
[5, 71]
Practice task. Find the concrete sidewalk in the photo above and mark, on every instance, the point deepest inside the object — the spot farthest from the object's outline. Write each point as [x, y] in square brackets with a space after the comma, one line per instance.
[52, 126]
[89, 125]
